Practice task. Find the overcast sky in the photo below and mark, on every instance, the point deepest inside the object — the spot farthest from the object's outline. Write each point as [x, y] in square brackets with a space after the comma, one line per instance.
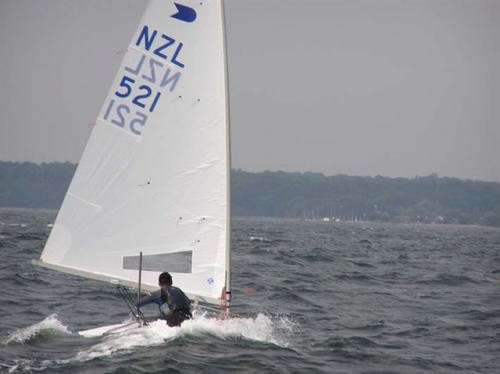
[386, 87]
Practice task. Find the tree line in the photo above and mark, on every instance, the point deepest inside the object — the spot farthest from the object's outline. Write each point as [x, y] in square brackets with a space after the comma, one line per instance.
[298, 195]
[316, 196]
[29, 185]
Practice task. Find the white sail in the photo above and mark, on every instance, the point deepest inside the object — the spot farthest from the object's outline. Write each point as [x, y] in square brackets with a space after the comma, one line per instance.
[154, 174]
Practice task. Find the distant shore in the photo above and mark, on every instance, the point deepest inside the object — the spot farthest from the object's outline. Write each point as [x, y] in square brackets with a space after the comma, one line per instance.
[5, 209]
[302, 196]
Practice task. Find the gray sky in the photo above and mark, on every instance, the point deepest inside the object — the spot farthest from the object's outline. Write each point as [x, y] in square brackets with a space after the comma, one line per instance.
[385, 87]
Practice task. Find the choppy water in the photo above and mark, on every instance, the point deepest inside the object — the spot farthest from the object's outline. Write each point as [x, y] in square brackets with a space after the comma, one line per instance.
[311, 298]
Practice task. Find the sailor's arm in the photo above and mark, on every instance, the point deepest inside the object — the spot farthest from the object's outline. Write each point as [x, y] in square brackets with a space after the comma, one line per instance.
[155, 297]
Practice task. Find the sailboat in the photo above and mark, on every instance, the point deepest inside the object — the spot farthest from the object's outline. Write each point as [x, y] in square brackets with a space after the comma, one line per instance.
[151, 192]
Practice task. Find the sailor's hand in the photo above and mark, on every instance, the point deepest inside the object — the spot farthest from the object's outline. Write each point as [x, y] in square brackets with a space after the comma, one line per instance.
[136, 314]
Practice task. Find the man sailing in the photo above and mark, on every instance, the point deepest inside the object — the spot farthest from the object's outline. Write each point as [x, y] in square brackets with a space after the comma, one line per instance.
[175, 306]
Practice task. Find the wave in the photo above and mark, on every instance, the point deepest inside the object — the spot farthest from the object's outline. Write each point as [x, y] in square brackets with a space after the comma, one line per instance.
[448, 280]
[49, 327]
[352, 341]
[22, 365]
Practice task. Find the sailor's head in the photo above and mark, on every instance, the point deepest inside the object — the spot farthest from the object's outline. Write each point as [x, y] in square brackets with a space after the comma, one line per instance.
[165, 279]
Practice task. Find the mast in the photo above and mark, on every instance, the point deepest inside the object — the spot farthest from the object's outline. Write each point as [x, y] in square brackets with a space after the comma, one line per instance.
[228, 159]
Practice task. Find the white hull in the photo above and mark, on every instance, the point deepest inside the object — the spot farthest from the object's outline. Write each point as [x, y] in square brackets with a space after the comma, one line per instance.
[110, 329]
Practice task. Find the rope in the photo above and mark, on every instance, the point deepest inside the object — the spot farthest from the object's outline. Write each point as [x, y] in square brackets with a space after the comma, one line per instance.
[127, 297]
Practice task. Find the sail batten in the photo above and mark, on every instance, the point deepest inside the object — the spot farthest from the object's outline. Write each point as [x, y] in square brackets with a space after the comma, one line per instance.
[154, 176]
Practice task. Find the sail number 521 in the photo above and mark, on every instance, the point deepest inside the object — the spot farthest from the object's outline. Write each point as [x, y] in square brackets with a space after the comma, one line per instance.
[143, 96]
[122, 115]
[119, 115]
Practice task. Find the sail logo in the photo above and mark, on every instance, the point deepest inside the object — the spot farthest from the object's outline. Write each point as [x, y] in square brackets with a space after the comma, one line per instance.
[184, 13]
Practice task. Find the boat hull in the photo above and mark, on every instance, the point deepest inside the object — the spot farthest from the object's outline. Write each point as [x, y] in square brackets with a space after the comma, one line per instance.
[110, 329]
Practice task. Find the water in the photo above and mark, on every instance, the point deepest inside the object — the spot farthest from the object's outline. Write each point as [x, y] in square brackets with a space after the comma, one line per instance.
[310, 297]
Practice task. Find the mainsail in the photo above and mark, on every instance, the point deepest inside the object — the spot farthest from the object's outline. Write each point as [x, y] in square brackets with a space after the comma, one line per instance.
[154, 176]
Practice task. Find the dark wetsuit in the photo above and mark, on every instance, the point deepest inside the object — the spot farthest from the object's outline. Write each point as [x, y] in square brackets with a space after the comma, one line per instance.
[174, 304]
[178, 305]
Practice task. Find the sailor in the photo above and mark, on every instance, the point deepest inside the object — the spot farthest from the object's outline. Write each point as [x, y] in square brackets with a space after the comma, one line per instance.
[175, 306]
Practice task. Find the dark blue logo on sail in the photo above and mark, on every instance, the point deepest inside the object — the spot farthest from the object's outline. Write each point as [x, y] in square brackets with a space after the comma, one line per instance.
[184, 13]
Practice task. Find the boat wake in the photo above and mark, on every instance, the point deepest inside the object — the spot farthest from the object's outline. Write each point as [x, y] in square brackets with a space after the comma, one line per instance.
[262, 328]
